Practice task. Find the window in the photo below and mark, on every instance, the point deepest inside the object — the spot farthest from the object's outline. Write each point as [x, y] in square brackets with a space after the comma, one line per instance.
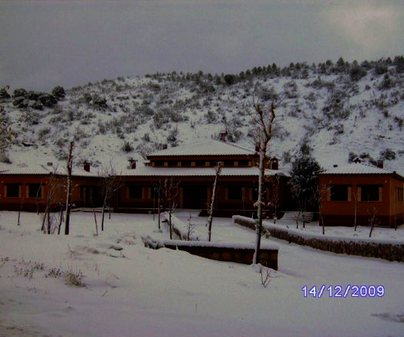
[400, 194]
[339, 193]
[34, 191]
[228, 163]
[370, 193]
[13, 190]
[235, 193]
[135, 192]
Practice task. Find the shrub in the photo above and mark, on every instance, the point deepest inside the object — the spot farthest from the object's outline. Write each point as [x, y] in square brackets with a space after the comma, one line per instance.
[160, 118]
[380, 68]
[172, 137]
[388, 154]
[127, 147]
[42, 133]
[74, 278]
[37, 106]
[386, 83]
[19, 93]
[4, 94]
[268, 94]
[357, 72]
[48, 100]
[211, 117]
[59, 92]
[229, 79]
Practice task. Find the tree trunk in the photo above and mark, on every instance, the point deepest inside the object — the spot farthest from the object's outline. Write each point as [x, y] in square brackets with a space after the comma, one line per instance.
[212, 203]
[69, 189]
[60, 219]
[104, 204]
[159, 211]
[259, 204]
[95, 220]
[169, 222]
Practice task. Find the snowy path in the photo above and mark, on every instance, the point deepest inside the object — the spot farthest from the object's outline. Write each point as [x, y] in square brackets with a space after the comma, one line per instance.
[142, 292]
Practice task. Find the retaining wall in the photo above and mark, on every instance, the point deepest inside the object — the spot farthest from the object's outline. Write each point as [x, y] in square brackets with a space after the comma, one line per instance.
[239, 253]
[361, 247]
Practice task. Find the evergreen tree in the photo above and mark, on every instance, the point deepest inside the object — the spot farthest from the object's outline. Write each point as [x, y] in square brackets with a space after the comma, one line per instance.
[304, 182]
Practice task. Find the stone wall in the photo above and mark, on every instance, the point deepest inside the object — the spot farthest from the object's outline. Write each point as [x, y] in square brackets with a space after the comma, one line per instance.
[219, 251]
[383, 250]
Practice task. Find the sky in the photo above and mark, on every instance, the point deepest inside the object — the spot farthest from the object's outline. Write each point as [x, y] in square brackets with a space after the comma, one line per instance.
[44, 43]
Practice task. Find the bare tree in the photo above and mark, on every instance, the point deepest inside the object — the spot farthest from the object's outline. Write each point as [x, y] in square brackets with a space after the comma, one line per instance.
[264, 120]
[95, 221]
[373, 220]
[323, 192]
[355, 199]
[265, 273]
[159, 193]
[275, 195]
[54, 187]
[218, 170]
[69, 167]
[190, 227]
[171, 193]
[111, 183]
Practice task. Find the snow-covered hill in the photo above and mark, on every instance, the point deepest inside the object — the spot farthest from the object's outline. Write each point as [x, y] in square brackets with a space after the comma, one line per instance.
[338, 110]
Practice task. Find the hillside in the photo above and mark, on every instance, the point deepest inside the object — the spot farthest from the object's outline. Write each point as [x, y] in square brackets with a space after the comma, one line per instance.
[338, 110]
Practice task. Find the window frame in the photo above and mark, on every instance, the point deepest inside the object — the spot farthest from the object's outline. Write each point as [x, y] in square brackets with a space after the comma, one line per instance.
[37, 187]
[369, 197]
[231, 193]
[8, 190]
[138, 195]
[335, 196]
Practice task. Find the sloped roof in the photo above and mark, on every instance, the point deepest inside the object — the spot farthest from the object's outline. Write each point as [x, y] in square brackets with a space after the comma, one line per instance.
[357, 168]
[197, 172]
[207, 148]
[43, 170]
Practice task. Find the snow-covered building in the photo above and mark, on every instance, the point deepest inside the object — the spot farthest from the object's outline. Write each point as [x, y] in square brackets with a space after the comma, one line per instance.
[193, 168]
[361, 194]
[32, 187]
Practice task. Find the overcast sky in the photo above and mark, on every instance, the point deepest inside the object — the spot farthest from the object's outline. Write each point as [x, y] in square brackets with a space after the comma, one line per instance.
[44, 43]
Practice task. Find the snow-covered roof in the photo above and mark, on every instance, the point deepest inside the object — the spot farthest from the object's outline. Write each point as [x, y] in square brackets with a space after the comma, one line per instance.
[148, 171]
[43, 170]
[356, 168]
[207, 148]
[28, 169]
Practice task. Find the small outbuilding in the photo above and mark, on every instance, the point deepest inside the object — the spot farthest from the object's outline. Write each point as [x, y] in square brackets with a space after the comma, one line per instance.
[358, 194]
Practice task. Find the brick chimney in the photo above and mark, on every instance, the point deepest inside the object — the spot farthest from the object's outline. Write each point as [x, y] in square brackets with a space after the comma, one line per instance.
[222, 136]
[87, 166]
[132, 164]
[274, 164]
[380, 163]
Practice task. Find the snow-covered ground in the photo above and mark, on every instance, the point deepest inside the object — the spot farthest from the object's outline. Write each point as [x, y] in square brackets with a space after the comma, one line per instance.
[134, 291]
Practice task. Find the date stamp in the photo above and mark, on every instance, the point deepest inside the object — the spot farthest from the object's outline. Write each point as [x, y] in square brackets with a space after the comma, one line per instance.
[347, 291]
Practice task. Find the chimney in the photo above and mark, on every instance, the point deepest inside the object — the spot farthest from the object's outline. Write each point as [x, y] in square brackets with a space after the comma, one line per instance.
[274, 164]
[86, 166]
[257, 147]
[335, 166]
[49, 163]
[132, 164]
[380, 163]
[222, 136]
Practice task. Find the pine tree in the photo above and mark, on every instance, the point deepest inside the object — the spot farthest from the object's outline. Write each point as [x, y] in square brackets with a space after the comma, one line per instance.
[304, 182]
